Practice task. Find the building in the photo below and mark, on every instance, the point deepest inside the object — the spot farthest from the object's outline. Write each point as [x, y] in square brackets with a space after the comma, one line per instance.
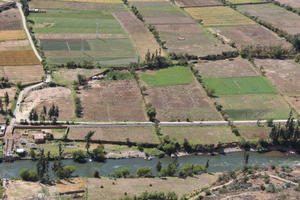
[39, 138]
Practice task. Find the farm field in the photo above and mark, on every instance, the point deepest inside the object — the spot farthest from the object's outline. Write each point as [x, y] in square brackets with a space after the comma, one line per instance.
[10, 20]
[295, 101]
[254, 35]
[219, 16]
[201, 135]
[30, 73]
[175, 102]
[138, 185]
[18, 58]
[12, 35]
[240, 85]
[245, 1]
[274, 15]
[144, 135]
[96, 1]
[226, 68]
[198, 3]
[59, 96]
[111, 101]
[254, 132]
[284, 74]
[292, 3]
[14, 45]
[254, 106]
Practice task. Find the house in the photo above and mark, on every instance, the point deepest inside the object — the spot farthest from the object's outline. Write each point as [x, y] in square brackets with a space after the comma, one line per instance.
[39, 138]
[2, 130]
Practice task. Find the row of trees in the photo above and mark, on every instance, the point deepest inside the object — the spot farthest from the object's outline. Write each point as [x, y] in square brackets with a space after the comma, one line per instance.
[52, 114]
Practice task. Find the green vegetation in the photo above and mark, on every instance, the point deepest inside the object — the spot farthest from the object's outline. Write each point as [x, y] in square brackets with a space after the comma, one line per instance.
[121, 173]
[144, 172]
[29, 175]
[177, 75]
[245, 1]
[118, 75]
[240, 85]
[190, 170]
[153, 195]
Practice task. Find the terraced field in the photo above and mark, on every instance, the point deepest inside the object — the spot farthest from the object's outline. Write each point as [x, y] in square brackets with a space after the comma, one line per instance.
[292, 3]
[198, 3]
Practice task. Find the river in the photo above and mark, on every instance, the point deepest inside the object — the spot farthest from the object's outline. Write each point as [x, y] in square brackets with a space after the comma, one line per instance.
[217, 163]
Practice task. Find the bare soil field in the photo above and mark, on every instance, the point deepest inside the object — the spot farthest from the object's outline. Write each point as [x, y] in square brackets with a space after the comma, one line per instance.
[77, 36]
[292, 3]
[112, 101]
[18, 57]
[226, 68]
[254, 132]
[10, 20]
[138, 33]
[58, 96]
[116, 134]
[30, 73]
[254, 35]
[133, 186]
[23, 190]
[275, 15]
[191, 39]
[181, 102]
[14, 45]
[295, 101]
[201, 135]
[12, 35]
[284, 74]
[97, 1]
[198, 3]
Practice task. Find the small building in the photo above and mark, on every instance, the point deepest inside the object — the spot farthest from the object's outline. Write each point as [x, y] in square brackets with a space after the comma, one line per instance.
[39, 138]
[20, 151]
[2, 130]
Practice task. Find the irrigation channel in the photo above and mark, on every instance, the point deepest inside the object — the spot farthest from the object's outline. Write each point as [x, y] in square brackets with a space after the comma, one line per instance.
[217, 163]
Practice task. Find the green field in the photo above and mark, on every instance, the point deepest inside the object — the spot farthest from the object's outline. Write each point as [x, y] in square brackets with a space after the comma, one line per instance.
[178, 75]
[240, 85]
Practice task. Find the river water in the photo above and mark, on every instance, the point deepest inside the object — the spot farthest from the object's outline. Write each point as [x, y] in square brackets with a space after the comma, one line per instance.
[217, 163]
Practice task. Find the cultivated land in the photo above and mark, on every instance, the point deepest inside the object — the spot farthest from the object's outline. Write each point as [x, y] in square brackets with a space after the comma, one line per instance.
[177, 100]
[275, 15]
[10, 20]
[245, 1]
[219, 16]
[240, 85]
[111, 101]
[12, 35]
[136, 186]
[143, 135]
[254, 106]
[18, 58]
[254, 132]
[226, 68]
[292, 3]
[253, 35]
[15, 45]
[58, 96]
[198, 3]
[29, 74]
[201, 135]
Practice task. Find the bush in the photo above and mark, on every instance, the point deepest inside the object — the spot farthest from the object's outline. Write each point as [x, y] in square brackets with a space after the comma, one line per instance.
[144, 172]
[190, 170]
[65, 172]
[153, 196]
[121, 173]
[29, 175]
[170, 170]
[96, 174]
[98, 154]
[151, 112]
[79, 156]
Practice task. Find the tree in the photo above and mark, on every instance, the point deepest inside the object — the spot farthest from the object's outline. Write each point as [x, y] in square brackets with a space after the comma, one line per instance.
[158, 166]
[190, 170]
[65, 172]
[29, 175]
[79, 156]
[88, 139]
[144, 172]
[246, 158]
[6, 100]
[151, 112]
[121, 173]
[1, 105]
[43, 167]
[98, 154]
[32, 154]
[58, 165]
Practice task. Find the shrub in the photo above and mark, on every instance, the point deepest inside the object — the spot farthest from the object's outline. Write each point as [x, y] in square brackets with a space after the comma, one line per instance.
[79, 156]
[121, 173]
[153, 196]
[98, 154]
[151, 112]
[190, 170]
[96, 174]
[65, 172]
[144, 172]
[29, 175]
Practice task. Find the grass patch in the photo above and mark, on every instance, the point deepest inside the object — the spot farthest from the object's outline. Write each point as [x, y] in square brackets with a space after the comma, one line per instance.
[178, 75]
[254, 132]
[240, 85]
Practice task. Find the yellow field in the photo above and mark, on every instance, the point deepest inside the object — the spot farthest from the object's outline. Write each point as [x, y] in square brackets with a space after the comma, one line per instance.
[12, 35]
[219, 16]
[18, 57]
[96, 1]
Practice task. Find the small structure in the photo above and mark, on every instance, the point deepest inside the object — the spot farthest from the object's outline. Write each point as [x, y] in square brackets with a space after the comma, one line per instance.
[37, 10]
[39, 138]
[2, 130]
[20, 151]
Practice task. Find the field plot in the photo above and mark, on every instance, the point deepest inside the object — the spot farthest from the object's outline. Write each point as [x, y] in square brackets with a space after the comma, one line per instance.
[295, 101]
[275, 15]
[134, 186]
[219, 16]
[201, 135]
[10, 19]
[173, 101]
[14, 45]
[18, 58]
[253, 35]
[254, 132]
[240, 85]
[245, 1]
[12, 35]
[96, 1]
[138, 33]
[226, 68]
[29, 74]
[292, 3]
[58, 96]
[198, 3]
[283, 73]
[143, 135]
[255, 106]
[119, 100]
[191, 39]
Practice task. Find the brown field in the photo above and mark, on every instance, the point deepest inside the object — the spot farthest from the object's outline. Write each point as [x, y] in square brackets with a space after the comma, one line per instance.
[18, 57]
[191, 39]
[226, 68]
[15, 45]
[254, 132]
[58, 96]
[275, 15]
[29, 73]
[284, 74]
[116, 134]
[254, 35]
[138, 33]
[292, 3]
[10, 20]
[97, 1]
[181, 102]
[23, 190]
[294, 100]
[201, 134]
[77, 35]
[12, 35]
[135, 186]
[112, 101]
[198, 3]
